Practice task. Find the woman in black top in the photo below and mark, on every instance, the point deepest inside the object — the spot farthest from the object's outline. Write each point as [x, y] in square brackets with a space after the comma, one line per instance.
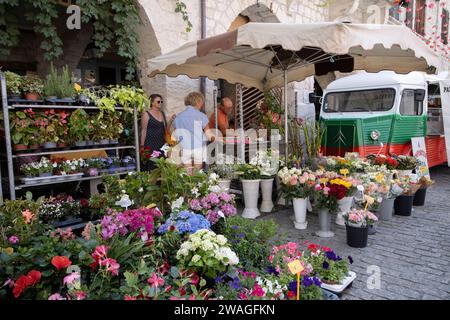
[153, 127]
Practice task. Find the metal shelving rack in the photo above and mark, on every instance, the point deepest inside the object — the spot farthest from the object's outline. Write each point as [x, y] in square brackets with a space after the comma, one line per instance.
[10, 156]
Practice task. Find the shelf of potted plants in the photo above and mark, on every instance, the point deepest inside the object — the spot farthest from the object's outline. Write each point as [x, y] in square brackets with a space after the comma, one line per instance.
[57, 132]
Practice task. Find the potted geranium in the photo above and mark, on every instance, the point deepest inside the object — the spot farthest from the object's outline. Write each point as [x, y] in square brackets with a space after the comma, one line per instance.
[32, 87]
[296, 185]
[267, 161]
[49, 131]
[405, 165]
[79, 127]
[250, 178]
[14, 84]
[357, 226]
[22, 129]
[419, 197]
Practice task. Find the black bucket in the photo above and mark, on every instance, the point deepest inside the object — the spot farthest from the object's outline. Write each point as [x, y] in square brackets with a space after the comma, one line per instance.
[419, 197]
[403, 205]
[357, 236]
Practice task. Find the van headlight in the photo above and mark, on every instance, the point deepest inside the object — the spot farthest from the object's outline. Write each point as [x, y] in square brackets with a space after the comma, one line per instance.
[375, 135]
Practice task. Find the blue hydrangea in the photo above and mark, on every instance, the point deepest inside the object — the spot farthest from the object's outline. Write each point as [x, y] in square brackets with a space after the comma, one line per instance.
[185, 222]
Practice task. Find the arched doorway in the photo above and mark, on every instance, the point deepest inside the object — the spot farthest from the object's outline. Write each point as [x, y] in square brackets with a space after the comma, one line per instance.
[250, 96]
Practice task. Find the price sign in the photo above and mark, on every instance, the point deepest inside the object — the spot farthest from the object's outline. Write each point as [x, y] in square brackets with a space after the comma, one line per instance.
[295, 267]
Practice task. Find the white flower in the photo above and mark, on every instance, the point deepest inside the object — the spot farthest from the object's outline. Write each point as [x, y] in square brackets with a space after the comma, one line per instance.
[196, 258]
[177, 203]
[221, 240]
[215, 189]
[141, 190]
[195, 192]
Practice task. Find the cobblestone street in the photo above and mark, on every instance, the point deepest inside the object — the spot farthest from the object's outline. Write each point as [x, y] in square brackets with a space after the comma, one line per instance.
[413, 253]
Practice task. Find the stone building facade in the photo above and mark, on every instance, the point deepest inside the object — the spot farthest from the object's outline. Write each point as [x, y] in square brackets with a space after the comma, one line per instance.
[163, 30]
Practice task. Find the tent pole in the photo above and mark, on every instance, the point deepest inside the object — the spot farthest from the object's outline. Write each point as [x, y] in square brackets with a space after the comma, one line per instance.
[241, 120]
[286, 114]
[215, 109]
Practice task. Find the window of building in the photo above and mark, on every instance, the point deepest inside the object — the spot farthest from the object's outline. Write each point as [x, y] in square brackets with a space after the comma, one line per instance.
[411, 105]
[444, 26]
[420, 17]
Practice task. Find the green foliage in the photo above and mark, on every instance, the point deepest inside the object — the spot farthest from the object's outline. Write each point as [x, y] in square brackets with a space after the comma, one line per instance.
[59, 85]
[251, 240]
[79, 125]
[248, 172]
[313, 132]
[182, 9]
[32, 84]
[14, 82]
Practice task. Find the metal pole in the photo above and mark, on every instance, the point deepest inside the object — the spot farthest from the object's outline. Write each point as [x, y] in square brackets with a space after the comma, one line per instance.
[286, 114]
[136, 139]
[216, 116]
[12, 190]
[241, 115]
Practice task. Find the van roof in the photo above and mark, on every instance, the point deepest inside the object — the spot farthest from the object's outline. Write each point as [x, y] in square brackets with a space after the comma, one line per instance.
[383, 78]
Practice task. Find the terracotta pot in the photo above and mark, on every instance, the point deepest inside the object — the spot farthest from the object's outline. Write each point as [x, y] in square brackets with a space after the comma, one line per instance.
[35, 146]
[32, 96]
[19, 147]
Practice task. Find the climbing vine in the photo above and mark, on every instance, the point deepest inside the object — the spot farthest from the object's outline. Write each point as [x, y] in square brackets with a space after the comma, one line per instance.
[114, 23]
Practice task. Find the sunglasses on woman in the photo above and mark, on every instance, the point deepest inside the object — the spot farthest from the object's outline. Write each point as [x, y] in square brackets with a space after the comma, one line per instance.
[159, 102]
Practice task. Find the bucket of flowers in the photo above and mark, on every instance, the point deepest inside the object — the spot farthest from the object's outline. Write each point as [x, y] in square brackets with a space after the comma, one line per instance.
[357, 225]
[250, 178]
[405, 165]
[297, 185]
[419, 197]
[404, 202]
[215, 206]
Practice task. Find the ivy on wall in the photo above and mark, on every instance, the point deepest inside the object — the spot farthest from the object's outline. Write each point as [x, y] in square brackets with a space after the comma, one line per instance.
[114, 23]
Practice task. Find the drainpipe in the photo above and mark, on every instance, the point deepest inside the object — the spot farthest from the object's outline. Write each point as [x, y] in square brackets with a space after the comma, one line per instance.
[203, 36]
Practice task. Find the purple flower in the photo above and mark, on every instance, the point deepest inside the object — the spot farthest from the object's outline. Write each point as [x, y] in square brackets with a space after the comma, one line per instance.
[292, 286]
[307, 282]
[272, 270]
[213, 198]
[196, 205]
[350, 259]
[13, 239]
[212, 216]
[228, 210]
[325, 265]
[226, 197]
[317, 282]
[331, 255]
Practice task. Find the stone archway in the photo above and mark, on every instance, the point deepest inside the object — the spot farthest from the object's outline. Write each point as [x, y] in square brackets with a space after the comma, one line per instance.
[254, 13]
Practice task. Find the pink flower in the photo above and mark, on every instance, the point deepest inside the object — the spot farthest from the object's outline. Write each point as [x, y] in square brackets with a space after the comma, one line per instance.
[156, 154]
[293, 181]
[71, 279]
[81, 295]
[27, 216]
[243, 296]
[257, 291]
[155, 281]
[100, 253]
[56, 296]
[111, 266]
[13, 239]
[127, 297]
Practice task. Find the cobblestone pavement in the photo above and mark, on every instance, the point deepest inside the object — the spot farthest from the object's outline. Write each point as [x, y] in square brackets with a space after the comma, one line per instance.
[413, 253]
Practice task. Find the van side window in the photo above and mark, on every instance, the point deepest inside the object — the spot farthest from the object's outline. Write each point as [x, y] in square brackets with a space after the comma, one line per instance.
[409, 106]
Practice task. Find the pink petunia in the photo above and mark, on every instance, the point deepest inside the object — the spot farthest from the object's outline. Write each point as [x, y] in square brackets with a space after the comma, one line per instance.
[155, 281]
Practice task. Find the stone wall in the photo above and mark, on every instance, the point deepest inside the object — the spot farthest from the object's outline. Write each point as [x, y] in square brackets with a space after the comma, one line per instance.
[164, 30]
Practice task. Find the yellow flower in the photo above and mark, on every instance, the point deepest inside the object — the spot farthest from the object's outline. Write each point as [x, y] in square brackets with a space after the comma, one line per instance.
[151, 205]
[77, 87]
[344, 172]
[323, 180]
[379, 178]
[341, 182]
[9, 250]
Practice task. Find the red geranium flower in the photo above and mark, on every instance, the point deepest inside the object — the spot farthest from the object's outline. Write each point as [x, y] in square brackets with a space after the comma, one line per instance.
[291, 295]
[326, 249]
[61, 262]
[35, 276]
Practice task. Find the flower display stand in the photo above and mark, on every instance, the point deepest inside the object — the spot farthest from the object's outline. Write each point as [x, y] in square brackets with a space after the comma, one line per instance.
[300, 206]
[251, 194]
[266, 191]
[325, 224]
[345, 205]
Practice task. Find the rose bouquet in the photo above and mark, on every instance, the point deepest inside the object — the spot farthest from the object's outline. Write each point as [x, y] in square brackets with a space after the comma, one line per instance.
[324, 197]
[206, 253]
[296, 183]
[360, 218]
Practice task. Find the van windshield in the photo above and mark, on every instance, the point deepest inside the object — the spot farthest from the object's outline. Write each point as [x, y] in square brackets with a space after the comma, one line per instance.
[359, 101]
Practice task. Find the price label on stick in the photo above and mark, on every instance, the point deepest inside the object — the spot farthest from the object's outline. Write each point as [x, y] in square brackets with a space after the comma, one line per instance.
[295, 267]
